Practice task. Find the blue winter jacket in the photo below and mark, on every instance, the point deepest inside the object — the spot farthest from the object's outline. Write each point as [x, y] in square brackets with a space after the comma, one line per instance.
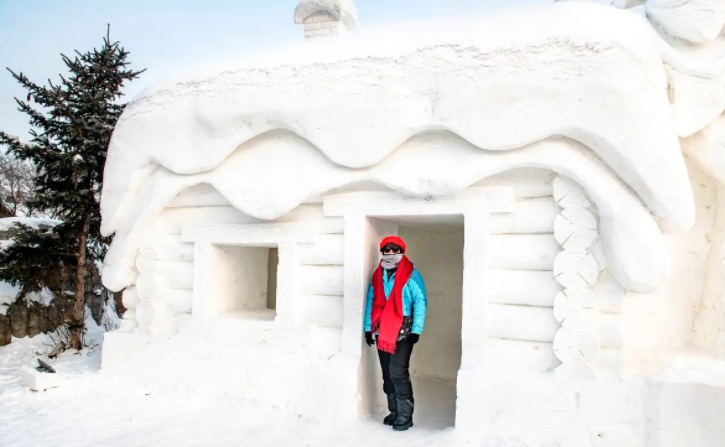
[415, 302]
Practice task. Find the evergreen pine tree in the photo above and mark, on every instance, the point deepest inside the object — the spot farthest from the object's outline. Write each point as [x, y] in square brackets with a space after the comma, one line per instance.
[70, 135]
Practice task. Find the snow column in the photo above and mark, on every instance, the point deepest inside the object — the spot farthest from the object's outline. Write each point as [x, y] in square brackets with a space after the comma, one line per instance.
[130, 301]
[576, 269]
[153, 312]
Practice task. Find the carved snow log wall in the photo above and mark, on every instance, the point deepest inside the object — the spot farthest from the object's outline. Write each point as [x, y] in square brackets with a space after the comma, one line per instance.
[165, 264]
[520, 287]
[576, 342]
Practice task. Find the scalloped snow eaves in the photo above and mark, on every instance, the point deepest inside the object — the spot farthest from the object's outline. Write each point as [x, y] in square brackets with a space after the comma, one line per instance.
[433, 164]
[584, 71]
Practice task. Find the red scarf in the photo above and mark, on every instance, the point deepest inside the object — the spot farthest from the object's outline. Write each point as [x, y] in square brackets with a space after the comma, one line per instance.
[387, 315]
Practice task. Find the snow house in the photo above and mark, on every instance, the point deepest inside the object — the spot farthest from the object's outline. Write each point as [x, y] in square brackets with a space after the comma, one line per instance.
[556, 171]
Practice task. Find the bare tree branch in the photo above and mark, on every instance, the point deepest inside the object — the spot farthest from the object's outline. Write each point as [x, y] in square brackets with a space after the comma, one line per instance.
[17, 186]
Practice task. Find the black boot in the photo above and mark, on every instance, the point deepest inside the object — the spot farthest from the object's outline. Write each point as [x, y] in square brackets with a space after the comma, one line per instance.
[405, 414]
[393, 408]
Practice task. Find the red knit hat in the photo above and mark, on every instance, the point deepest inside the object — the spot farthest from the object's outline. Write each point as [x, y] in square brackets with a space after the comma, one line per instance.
[393, 240]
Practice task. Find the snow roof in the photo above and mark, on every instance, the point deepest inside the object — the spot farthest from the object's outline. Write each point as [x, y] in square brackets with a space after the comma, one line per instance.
[498, 81]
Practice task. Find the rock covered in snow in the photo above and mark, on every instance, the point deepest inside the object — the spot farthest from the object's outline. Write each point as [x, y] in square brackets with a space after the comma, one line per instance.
[39, 381]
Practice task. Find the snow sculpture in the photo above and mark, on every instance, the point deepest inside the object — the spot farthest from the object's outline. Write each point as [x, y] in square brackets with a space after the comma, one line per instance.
[576, 148]
[324, 18]
[575, 269]
[697, 21]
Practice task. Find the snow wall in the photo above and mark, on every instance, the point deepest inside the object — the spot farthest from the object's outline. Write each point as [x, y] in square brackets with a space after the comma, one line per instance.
[243, 356]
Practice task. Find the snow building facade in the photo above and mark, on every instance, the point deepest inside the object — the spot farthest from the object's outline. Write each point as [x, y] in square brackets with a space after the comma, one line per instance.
[557, 173]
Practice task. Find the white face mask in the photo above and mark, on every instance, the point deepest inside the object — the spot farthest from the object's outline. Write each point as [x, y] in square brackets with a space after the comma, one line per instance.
[391, 261]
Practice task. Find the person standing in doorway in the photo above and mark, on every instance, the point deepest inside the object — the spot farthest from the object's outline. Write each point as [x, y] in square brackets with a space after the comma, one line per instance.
[394, 319]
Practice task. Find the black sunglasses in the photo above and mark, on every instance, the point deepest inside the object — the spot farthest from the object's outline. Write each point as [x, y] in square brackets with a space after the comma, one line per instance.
[391, 249]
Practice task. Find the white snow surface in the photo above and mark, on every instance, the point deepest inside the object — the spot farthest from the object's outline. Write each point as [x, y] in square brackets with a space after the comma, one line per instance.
[91, 410]
[8, 294]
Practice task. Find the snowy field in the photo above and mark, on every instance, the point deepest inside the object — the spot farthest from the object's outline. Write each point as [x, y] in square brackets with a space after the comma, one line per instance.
[91, 410]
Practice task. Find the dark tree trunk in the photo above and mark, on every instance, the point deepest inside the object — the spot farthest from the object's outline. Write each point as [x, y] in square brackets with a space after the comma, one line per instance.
[5, 330]
[76, 340]
[5, 211]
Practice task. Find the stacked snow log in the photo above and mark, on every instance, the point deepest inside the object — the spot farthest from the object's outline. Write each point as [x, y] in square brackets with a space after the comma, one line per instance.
[576, 269]
[322, 282]
[552, 305]
[164, 284]
[520, 287]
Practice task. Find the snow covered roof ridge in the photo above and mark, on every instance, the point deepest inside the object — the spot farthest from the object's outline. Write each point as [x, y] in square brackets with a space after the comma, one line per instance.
[437, 164]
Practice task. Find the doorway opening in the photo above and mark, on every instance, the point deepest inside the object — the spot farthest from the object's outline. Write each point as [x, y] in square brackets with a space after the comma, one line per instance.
[272, 264]
[435, 246]
[437, 252]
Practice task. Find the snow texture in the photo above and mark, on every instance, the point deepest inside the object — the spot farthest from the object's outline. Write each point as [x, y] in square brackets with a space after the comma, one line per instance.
[36, 380]
[565, 69]
[572, 73]
[562, 69]
[697, 21]
[318, 147]
[125, 414]
[635, 249]
[9, 293]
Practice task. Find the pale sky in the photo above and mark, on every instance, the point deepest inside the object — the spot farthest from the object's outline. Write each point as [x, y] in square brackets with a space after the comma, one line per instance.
[164, 34]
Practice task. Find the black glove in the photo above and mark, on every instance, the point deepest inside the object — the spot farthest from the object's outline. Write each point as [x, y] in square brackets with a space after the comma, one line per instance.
[369, 338]
[414, 338]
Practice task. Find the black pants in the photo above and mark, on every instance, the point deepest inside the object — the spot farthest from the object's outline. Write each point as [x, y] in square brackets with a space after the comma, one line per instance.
[396, 373]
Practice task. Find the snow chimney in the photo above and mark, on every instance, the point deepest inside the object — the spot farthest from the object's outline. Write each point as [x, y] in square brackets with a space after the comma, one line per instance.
[326, 18]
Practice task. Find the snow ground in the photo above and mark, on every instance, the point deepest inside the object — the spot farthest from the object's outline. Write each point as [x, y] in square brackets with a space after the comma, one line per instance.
[92, 410]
